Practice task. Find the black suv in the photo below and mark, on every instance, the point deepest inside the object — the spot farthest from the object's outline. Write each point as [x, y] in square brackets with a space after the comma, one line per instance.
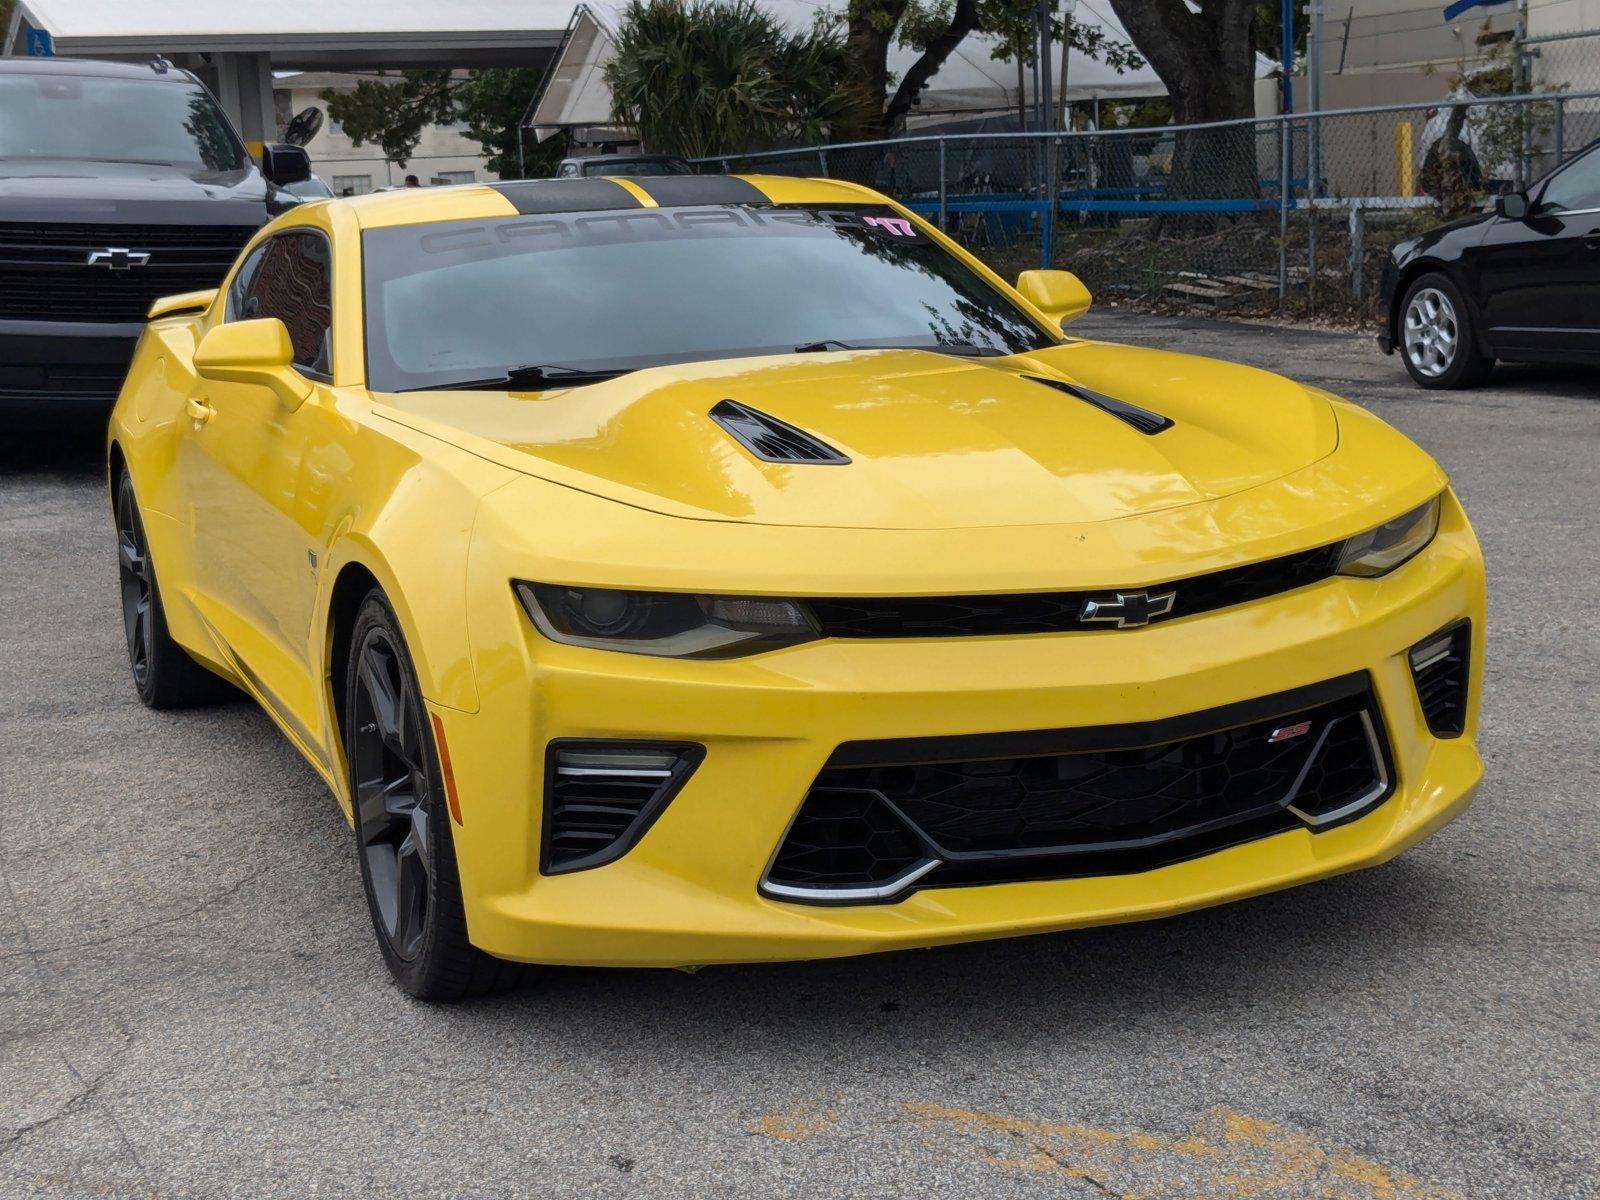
[119, 184]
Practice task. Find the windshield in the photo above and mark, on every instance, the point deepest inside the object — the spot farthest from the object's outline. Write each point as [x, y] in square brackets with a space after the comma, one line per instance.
[114, 120]
[459, 301]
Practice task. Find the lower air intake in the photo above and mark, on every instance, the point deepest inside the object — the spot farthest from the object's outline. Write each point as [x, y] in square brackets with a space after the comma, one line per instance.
[1439, 665]
[601, 796]
[884, 817]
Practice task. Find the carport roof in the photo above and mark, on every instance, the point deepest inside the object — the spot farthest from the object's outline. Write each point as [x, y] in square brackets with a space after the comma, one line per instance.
[288, 29]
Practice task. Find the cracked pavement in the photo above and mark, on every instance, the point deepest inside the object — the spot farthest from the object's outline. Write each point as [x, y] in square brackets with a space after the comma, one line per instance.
[191, 1004]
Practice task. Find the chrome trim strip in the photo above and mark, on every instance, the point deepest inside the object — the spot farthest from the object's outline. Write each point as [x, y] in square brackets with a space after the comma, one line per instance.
[1379, 787]
[615, 772]
[785, 891]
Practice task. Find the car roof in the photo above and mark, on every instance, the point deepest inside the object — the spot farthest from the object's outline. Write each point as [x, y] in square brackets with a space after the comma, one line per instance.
[94, 68]
[589, 158]
[478, 201]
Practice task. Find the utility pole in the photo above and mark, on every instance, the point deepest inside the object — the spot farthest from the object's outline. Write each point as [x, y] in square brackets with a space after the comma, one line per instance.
[1046, 115]
[1522, 84]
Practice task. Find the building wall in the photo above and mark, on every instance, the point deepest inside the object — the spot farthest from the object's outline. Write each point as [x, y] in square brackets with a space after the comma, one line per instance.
[444, 153]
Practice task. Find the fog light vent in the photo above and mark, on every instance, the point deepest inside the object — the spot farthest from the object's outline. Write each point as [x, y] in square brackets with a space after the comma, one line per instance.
[1439, 664]
[601, 796]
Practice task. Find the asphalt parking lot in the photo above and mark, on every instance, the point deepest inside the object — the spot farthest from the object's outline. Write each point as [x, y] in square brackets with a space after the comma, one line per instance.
[191, 1003]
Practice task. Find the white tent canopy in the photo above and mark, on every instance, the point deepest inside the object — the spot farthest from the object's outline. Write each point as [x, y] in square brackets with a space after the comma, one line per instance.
[970, 82]
[301, 33]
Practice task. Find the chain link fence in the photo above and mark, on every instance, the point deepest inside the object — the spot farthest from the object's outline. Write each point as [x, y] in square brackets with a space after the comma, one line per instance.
[1290, 213]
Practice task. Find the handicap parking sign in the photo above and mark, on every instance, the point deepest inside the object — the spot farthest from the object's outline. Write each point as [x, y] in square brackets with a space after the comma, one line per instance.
[40, 44]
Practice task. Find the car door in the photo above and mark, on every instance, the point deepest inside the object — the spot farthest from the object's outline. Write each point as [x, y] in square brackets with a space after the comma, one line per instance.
[1539, 276]
[255, 503]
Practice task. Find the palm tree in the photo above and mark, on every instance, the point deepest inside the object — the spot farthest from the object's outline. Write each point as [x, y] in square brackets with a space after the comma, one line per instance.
[706, 77]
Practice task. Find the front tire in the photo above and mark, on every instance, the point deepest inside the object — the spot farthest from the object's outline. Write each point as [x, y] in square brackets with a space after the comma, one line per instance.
[163, 673]
[402, 823]
[1437, 340]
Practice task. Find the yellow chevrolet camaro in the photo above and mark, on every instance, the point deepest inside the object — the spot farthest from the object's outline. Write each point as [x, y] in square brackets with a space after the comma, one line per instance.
[714, 569]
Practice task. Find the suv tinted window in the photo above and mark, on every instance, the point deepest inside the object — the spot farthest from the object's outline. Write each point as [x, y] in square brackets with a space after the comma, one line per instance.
[290, 277]
[115, 120]
[1575, 187]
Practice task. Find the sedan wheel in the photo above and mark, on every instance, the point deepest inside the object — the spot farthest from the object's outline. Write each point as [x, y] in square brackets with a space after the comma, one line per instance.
[1438, 343]
[1432, 332]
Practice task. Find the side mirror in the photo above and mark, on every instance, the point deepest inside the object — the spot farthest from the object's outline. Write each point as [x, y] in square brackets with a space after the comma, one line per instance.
[257, 352]
[283, 164]
[1512, 205]
[1060, 295]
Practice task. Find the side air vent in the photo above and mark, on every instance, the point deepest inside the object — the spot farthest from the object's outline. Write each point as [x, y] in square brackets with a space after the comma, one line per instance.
[600, 797]
[772, 440]
[1141, 419]
[1439, 666]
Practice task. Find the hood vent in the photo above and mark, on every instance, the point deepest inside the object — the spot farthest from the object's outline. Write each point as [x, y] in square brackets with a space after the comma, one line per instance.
[1141, 419]
[771, 440]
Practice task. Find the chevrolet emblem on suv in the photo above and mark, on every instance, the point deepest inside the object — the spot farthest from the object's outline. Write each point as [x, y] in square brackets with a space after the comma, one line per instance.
[117, 258]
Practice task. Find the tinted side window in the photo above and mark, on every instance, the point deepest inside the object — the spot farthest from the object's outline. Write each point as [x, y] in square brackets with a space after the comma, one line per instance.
[293, 282]
[240, 287]
[1576, 187]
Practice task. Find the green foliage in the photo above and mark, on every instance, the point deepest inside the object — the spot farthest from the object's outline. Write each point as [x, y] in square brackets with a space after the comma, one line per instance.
[489, 103]
[1012, 24]
[393, 114]
[1499, 131]
[703, 77]
[935, 28]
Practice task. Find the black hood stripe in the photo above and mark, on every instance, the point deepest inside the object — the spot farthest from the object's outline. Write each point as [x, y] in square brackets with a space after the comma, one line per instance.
[534, 197]
[670, 190]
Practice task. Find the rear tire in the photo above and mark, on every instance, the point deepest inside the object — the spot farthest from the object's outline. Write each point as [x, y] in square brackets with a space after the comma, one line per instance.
[163, 673]
[1436, 337]
[402, 822]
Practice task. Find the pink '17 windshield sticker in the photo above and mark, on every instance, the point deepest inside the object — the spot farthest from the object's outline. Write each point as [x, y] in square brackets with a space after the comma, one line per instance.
[898, 226]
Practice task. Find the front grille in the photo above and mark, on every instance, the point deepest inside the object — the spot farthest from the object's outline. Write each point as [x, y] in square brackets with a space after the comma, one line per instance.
[77, 381]
[1099, 800]
[1056, 612]
[45, 276]
[601, 796]
[1439, 665]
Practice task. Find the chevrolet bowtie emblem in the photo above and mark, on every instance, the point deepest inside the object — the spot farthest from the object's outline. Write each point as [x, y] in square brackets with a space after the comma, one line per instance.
[1128, 609]
[117, 258]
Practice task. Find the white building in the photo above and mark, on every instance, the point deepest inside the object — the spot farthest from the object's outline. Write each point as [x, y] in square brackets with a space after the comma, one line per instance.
[444, 155]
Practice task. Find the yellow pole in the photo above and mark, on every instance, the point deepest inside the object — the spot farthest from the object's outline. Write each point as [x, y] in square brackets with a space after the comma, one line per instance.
[1402, 158]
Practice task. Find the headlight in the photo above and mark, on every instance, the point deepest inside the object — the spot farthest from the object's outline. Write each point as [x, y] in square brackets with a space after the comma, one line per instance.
[669, 624]
[1379, 551]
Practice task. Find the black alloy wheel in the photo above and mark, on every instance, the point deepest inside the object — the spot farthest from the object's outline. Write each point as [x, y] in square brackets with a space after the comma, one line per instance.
[393, 794]
[403, 822]
[138, 586]
[163, 673]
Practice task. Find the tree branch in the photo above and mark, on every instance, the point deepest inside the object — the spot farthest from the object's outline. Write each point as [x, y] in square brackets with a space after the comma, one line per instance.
[962, 22]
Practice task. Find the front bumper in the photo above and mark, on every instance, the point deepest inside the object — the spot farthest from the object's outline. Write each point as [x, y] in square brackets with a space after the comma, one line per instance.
[687, 893]
[1388, 281]
[51, 367]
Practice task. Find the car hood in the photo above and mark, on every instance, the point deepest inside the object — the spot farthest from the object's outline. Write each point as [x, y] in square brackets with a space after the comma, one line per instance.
[71, 190]
[933, 441]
